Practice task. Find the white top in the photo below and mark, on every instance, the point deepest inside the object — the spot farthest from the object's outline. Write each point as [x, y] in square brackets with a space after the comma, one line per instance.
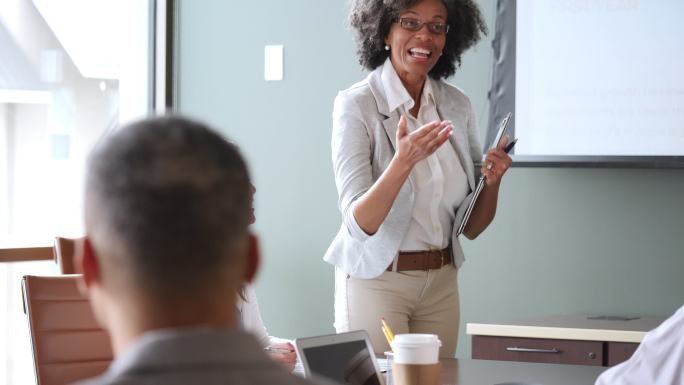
[658, 360]
[436, 198]
[250, 318]
[569, 327]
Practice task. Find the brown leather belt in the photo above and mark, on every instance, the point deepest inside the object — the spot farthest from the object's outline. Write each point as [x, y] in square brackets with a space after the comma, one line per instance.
[422, 260]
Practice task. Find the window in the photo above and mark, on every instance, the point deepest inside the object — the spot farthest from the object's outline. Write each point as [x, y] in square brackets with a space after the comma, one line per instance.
[70, 73]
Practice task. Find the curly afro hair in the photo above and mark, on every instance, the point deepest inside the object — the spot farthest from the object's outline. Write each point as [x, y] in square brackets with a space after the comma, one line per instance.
[372, 20]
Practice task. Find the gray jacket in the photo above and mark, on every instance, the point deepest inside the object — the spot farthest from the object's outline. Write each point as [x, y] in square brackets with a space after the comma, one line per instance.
[196, 356]
[363, 144]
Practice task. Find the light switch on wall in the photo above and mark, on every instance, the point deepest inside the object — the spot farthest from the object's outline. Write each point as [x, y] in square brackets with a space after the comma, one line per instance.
[273, 62]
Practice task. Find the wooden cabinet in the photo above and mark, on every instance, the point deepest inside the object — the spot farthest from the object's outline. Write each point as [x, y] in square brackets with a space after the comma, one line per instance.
[618, 352]
[538, 350]
[566, 339]
[552, 351]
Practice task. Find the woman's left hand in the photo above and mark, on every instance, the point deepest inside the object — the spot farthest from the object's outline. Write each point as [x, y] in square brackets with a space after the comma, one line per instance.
[496, 163]
[285, 354]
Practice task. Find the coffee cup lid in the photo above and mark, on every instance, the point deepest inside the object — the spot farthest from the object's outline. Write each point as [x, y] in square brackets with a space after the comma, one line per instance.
[417, 339]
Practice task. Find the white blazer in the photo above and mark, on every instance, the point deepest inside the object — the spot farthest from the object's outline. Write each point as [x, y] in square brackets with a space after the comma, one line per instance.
[363, 144]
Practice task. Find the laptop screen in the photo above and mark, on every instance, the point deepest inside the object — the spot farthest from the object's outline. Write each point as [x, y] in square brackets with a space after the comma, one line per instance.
[344, 362]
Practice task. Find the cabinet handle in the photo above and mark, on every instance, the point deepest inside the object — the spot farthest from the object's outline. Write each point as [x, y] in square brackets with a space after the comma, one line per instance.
[531, 350]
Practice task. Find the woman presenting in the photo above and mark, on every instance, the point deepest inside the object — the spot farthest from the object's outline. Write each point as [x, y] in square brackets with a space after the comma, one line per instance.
[404, 145]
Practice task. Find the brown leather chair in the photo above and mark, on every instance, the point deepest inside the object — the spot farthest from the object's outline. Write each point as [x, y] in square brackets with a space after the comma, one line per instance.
[64, 252]
[68, 344]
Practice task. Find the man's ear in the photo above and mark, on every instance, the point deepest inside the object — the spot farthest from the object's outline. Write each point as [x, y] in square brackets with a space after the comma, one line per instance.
[86, 262]
[253, 259]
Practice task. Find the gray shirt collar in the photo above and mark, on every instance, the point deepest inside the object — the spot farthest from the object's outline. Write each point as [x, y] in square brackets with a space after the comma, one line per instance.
[166, 348]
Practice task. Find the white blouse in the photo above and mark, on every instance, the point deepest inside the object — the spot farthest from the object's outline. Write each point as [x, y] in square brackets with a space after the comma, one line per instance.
[250, 317]
[439, 182]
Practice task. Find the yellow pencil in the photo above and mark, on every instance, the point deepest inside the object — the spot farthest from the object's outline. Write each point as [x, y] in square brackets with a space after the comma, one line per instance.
[387, 328]
[389, 340]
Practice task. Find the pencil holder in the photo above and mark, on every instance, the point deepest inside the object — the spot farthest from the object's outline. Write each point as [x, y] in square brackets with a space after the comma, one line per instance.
[389, 380]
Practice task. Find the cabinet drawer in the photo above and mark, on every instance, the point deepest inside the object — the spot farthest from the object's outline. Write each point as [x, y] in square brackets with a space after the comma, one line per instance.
[620, 351]
[538, 350]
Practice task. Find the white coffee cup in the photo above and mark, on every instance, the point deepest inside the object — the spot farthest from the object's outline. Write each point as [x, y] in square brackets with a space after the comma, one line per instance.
[416, 348]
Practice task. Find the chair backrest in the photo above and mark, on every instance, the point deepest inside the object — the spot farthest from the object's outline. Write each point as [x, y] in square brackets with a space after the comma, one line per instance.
[68, 345]
[64, 252]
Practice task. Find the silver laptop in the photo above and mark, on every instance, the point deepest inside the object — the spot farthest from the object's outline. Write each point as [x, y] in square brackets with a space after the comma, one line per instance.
[345, 358]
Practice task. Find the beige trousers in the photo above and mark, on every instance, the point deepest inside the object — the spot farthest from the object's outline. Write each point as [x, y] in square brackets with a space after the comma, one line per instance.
[413, 301]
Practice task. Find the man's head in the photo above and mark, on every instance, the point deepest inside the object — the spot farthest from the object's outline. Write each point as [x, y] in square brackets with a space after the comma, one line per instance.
[167, 206]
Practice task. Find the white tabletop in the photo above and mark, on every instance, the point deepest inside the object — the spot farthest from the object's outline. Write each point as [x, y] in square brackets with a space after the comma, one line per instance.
[569, 327]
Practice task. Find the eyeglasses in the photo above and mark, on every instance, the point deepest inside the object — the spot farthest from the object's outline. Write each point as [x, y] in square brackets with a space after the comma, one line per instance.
[411, 24]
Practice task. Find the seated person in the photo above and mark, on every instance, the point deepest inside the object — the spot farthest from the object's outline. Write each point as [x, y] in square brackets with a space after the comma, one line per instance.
[166, 217]
[280, 349]
[658, 360]
[250, 317]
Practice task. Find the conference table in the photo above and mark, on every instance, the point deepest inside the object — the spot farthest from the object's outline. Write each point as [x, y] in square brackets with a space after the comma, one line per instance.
[487, 372]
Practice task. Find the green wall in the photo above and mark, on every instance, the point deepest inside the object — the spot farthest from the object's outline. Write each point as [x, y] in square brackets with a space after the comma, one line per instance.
[564, 241]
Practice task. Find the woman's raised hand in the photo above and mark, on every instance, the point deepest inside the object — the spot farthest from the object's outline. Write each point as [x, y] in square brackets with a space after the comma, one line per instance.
[418, 145]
